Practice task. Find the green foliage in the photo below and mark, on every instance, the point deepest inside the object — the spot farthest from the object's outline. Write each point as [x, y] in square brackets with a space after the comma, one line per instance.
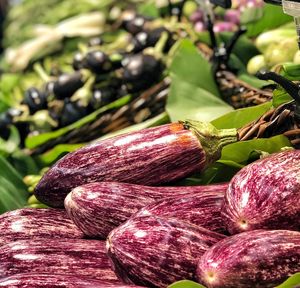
[292, 282]
[240, 117]
[271, 17]
[12, 189]
[35, 141]
[193, 93]
[185, 284]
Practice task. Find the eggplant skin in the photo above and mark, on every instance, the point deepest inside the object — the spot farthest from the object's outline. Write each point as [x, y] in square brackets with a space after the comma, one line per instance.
[150, 157]
[28, 223]
[97, 208]
[43, 280]
[265, 195]
[202, 209]
[155, 252]
[81, 257]
[253, 259]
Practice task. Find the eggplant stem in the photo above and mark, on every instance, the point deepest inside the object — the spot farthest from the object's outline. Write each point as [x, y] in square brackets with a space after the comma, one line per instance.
[242, 30]
[290, 87]
[212, 35]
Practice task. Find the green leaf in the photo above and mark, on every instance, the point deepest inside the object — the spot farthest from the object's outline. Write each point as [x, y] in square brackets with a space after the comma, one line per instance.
[11, 144]
[12, 189]
[240, 152]
[280, 96]
[251, 14]
[193, 93]
[291, 71]
[236, 156]
[23, 163]
[186, 284]
[57, 152]
[160, 119]
[190, 66]
[241, 117]
[34, 141]
[253, 81]
[292, 282]
[244, 48]
[148, 9]
[187, 101]
[272, 17]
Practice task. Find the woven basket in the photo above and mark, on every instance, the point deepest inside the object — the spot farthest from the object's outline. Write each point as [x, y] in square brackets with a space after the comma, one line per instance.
[234, 91]
[148, 104]
[281, 120]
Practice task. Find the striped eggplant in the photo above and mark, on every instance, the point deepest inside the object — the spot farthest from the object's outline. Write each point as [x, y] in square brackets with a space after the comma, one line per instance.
[265, 195]
[97, 208]
[253, 259]
[197, 208]
[150, 157]
[154, 252]
[43, 280]
[28, 223]
[81, 257]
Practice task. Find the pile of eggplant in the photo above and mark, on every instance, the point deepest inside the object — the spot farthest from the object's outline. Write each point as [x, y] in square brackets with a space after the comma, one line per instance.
[117, 232]
[99, 73]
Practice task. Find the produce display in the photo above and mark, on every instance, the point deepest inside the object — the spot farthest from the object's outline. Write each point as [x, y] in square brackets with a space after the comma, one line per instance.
[149, 144]
[96, 218]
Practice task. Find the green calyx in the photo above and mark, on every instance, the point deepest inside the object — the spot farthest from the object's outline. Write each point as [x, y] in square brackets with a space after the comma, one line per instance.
[212, 139]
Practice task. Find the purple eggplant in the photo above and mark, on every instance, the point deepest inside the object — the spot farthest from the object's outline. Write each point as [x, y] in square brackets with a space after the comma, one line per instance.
[265, 195]
[201, 209]
[154, 252]
[97, 208]
[29, 223]
[81, 257]
[150, 157]
[253, 259]
[43, 280]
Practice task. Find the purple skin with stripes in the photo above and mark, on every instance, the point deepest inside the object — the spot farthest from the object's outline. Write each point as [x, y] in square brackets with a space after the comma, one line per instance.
[253, 259]
[29, 223]
[155, 252]
[86, 258]
[265, 195]
[153, 156]
[43, 280]
[149, 157]
[201, 209]
[97, 208]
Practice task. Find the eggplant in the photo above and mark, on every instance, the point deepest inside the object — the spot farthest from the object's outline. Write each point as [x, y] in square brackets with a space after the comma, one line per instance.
[141, 71]
[97, 208]
[154, 251]
[35, 100]
[135, 24]
[29, 223]
[102, 96]
[201, 209]
[98, 62]
[149, 38]
[71, 112]
[151, 156]
[66, 85]
[79, 61]
[253, 259]
[81, 257]
[265, 195]
[43, 280]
